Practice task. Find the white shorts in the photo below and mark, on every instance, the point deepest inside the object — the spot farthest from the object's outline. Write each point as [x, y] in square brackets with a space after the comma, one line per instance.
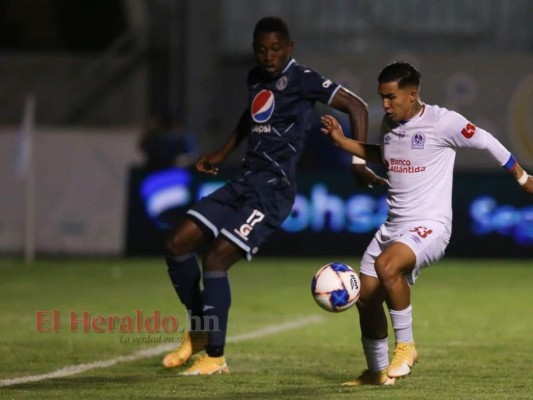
[427, 239]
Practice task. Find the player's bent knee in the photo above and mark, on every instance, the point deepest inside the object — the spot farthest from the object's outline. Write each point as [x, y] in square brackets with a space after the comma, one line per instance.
[221, 256]
[386, 270]
[179, 244]
[172, 246]
[187, 238]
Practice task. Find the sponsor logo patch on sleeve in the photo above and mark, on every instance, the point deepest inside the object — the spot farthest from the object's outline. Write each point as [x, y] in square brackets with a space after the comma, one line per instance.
[469, 130]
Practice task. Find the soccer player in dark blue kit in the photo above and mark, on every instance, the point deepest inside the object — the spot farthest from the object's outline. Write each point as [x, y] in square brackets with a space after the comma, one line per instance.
[237, 218]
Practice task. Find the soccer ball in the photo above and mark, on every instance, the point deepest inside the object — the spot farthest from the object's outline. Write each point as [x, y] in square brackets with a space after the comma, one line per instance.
[335, 287]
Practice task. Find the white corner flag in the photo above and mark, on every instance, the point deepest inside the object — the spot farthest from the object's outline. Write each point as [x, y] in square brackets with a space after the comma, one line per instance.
[25, 169]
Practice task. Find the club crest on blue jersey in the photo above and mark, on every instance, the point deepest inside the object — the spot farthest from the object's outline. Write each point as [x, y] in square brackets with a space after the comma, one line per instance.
[282, 82]
[262, 106]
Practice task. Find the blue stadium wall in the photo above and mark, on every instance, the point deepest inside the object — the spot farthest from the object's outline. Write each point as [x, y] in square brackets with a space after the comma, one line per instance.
[333, 217]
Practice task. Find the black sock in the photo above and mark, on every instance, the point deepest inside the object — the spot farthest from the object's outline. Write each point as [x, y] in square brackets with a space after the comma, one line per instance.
[217, 301]
[185, 275]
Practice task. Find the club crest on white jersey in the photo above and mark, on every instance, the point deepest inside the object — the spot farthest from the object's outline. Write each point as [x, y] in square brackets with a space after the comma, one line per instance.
[418, 141]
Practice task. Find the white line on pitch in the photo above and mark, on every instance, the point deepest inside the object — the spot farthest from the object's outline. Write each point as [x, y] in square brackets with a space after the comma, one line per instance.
[154, 351]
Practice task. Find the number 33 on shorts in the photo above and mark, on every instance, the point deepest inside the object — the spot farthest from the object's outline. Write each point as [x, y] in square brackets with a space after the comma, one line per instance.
[421, 231]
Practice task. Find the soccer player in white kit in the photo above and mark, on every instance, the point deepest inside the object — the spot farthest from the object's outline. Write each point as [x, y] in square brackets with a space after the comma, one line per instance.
[418, 146]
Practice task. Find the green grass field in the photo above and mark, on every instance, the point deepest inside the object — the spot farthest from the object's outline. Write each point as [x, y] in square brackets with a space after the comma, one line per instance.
[473, 324]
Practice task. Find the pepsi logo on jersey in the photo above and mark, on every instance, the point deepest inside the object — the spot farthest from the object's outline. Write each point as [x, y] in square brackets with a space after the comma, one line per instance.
[261, 129]
[262, 106]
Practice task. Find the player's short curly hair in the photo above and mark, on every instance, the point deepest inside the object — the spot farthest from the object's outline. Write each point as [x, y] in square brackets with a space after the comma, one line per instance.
[272, 24]
[402, 72]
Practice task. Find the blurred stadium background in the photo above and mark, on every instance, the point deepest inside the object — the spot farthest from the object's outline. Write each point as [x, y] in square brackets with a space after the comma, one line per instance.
[81, 78]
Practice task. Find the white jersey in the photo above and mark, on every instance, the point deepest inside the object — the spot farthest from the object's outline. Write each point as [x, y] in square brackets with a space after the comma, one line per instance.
[419, 156]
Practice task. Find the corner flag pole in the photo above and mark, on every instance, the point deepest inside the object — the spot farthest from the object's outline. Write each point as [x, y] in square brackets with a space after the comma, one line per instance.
[26, 170]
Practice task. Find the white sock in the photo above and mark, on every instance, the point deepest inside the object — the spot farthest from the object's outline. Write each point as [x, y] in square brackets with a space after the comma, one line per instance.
[402, 323]
[376, 353]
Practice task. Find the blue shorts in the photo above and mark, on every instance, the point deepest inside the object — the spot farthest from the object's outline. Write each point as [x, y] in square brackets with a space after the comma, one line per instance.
[244, 213]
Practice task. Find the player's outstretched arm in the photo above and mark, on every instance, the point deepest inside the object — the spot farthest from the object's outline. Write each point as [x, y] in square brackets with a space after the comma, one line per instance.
[357, 110]
[369, 152]
[208, 163]
[499, 153]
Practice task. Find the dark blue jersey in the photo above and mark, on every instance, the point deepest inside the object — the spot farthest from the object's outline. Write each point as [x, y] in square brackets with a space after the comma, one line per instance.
[246, 210]
[278, 111]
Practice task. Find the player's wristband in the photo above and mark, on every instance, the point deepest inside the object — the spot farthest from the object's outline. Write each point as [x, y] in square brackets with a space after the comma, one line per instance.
[358, 160]
[523, 179]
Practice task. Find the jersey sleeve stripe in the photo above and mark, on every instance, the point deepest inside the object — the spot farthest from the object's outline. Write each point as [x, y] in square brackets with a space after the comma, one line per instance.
[333, 94]
[510, 164]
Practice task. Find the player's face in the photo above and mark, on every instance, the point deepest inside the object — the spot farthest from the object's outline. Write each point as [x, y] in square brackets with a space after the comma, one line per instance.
[398, 103]
[272, 52]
